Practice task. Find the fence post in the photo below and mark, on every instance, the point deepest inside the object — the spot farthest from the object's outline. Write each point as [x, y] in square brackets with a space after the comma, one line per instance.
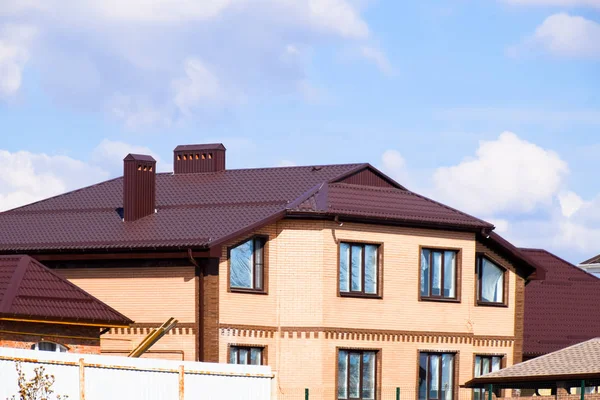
[81, 379]
[181, 383]
[582, 389]
[397, 393]
[306, 394]
[490, 391]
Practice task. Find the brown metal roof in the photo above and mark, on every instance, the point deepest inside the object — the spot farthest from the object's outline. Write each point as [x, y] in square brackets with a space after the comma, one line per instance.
[593, 260]
[204, 209]
[30, 291]
[561, 309]
[578, 362]
[139, 157]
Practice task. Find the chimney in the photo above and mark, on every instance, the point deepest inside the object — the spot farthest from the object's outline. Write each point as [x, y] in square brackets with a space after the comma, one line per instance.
[194, 158]
[139, 186]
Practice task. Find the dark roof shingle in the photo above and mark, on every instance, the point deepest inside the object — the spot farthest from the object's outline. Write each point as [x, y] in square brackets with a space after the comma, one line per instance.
[29, 290]
[562, 309]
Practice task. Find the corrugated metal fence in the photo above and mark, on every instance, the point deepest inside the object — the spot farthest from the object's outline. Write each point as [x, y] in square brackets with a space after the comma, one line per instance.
[95, 377]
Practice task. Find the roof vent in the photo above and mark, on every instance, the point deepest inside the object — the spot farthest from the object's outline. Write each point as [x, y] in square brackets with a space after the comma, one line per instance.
[195, 158]
[139, 186]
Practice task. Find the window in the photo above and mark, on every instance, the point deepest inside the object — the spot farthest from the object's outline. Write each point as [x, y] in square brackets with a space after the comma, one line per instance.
[485, 365]
[436, 376]
[438, 274]
[246, 355]
[356, 374]
[49, 346]
[359, 268]
[490, 280]
[246, 264]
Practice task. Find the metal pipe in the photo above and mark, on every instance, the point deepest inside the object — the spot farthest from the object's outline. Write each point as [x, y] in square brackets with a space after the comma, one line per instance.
[490, 390]
[397, 393]
[582, 389]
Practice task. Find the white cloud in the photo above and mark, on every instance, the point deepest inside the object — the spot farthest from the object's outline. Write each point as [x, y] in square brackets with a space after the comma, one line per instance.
[153, 62]
[564, 35]
[560, 3]
[379, 58]
[14, 54]
[393, 164]
[507, 175]
[570, 203]
[109, 156]
[502, 225]
[286, 163]
[26, 177]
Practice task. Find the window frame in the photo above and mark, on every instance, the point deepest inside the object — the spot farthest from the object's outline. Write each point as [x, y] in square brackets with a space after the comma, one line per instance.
[479, 282]
[262, 348]
[265, 269]
[379, 266]
[378, 374]
[455, 370]
[498, 392]
[58, 348]
[457, 274]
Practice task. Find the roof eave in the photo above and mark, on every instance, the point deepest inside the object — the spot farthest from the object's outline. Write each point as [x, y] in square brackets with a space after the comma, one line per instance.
[522, 381]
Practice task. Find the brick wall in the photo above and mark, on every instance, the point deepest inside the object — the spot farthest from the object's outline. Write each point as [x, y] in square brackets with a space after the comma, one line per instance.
[302, 320]
[22, 335]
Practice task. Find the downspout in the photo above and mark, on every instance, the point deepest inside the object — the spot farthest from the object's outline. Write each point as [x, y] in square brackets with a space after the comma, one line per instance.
[199, 272]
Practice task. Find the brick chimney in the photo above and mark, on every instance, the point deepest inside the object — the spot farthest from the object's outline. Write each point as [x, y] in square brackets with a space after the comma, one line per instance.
[195, 158]
[139, 186]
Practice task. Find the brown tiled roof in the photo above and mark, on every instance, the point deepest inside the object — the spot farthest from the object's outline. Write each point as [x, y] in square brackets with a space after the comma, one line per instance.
[580, 361]
[30, 291]
[206, 146]
[204, 209]
[562, 309]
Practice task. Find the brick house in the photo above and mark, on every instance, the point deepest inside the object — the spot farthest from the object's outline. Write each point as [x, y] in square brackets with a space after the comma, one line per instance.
[339, 278]
[41, 310]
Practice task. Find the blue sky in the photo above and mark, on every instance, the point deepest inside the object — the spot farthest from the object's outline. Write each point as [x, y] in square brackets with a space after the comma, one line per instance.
[489, 106]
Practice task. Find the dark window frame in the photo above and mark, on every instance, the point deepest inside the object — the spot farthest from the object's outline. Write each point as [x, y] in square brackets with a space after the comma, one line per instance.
[379, 270]
[502, 357]
[264, 239]
[249, 347]
[457, 274]
[455, 371]
[479, 282]
[376, 378]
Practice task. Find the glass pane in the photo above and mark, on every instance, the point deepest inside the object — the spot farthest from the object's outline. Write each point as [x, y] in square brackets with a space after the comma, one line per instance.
[233, 354]
[356, 268]
[255, 356]
[46, 346]
[258, 263]
[449, 274]
[343, 374]
[447, 376]
[243, 356]
[492, 285]
[354, 371]
[344, 262]
[496, 363]
[423, 376]
[371, 269]
[434, 376]
[241, 265]
[477, 394]
[485, 365]
[477, 371]
[368, 384]
[425, 272]
[436, 271]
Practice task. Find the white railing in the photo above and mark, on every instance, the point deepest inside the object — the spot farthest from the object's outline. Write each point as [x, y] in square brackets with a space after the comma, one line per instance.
[96, 377]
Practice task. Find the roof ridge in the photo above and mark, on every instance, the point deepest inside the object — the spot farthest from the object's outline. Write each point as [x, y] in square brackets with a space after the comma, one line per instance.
[451, 208]
[578, 269]
[376, 171]
[60, 195]
[296, 166]
[15, 284]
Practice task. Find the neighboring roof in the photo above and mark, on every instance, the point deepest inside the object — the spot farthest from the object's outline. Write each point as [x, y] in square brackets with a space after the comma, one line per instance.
[30, 291]
[202, 210]
[562, 309]
[578, 362]
[139, 157]
[593, 260]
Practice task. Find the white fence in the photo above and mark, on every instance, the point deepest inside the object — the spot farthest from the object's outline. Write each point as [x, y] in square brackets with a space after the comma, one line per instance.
[95, 377]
